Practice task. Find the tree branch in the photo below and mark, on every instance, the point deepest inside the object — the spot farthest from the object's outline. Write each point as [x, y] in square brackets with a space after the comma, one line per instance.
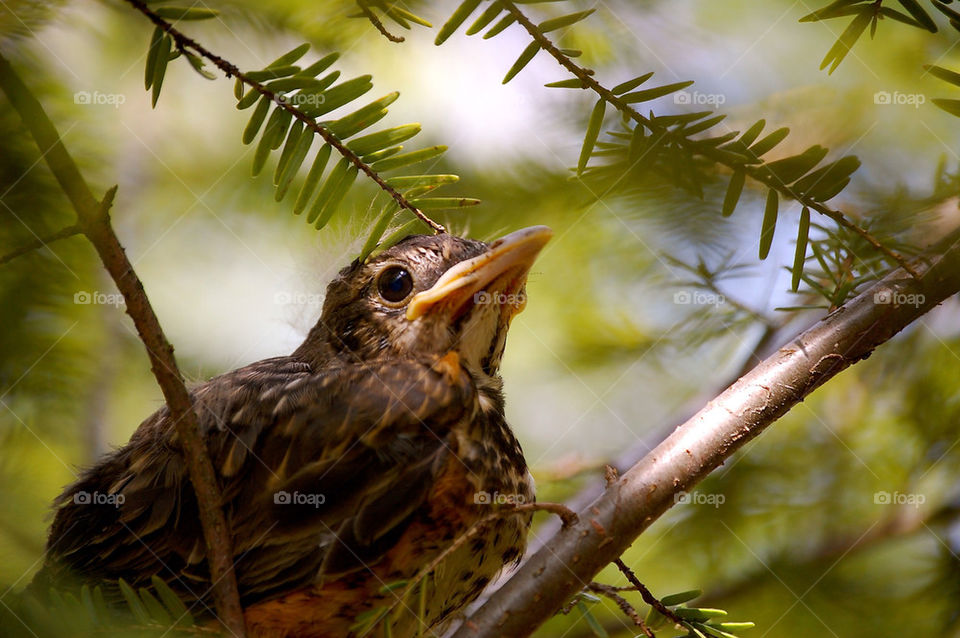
[629, 506]
[231, 70]
[771, 181]
[94, 220]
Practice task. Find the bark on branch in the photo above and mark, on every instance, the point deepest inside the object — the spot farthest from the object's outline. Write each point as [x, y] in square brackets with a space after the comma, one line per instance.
[94, 221]
[608, 526]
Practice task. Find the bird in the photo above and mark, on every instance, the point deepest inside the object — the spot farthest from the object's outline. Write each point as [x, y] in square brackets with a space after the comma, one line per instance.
[377, 450]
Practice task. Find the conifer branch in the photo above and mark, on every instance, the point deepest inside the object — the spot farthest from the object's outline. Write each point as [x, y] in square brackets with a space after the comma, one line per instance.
[231, 70]
[771, 181]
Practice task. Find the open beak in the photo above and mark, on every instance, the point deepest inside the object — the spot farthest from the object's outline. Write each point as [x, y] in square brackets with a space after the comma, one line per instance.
[499, 272]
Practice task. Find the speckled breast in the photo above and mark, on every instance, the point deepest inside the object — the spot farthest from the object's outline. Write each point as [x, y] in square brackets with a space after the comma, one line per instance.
[454, 545]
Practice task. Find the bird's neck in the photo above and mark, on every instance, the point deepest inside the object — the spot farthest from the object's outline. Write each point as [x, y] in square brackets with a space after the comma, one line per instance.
[490, 391]
[316, 349]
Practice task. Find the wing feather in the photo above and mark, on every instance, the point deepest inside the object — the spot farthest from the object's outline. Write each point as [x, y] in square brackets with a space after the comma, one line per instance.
[365, 441]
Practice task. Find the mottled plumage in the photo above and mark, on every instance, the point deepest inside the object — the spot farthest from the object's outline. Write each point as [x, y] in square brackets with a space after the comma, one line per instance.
[344, 467]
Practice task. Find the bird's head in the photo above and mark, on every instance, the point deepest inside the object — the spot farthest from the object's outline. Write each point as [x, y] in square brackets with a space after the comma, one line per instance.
[426, 296]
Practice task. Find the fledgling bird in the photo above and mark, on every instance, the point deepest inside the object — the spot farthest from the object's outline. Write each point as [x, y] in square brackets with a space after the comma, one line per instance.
[345, 467]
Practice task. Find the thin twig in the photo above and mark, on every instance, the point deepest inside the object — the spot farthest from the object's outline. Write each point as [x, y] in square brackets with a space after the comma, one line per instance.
[40, 242]
[624, 605]
[231, 70]
[567, 516]
[648, 597]
[586, 78]
[94, 219]
[378, 25]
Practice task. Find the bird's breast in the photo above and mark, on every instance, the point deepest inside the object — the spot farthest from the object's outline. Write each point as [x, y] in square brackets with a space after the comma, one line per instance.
[455, 543]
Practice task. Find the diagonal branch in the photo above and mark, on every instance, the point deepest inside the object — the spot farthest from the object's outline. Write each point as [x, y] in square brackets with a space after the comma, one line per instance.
[631, 504]
[771, 181]
[231, 70]
[94, 220]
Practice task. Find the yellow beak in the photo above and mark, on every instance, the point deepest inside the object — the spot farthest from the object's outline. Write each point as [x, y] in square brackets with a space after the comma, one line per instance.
[501, 270]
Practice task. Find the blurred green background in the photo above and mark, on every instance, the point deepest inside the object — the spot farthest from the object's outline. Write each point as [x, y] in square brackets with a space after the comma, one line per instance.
[608, 355]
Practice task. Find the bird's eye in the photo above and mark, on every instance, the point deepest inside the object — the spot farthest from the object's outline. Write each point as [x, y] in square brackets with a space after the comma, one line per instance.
[394, 284]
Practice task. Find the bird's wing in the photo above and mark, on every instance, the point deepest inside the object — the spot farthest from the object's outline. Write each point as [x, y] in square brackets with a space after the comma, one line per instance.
[318, 471]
